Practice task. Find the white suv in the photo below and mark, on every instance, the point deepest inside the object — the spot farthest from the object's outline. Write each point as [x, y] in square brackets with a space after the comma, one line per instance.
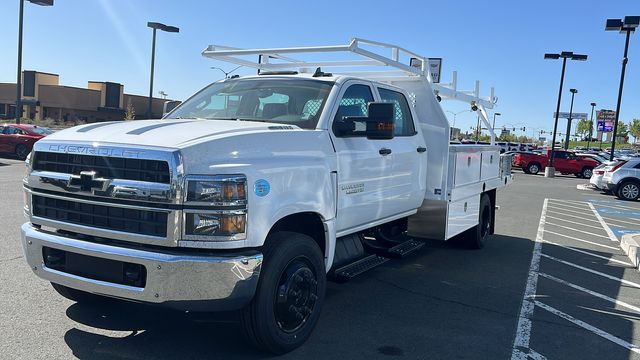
[623, 180]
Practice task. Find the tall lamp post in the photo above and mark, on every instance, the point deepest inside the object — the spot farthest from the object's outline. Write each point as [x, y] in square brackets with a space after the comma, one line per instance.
[593, 106]
[566, 141]
[156, 26]
[627, 26]
[494, 120]
[550, 171]
[19, 80]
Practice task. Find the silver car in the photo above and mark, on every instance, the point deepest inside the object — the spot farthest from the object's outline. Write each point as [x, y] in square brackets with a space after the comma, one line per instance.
[623, 179]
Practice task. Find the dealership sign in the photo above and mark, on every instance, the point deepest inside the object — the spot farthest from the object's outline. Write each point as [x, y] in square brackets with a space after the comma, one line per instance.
[434, 67]
[605, 118]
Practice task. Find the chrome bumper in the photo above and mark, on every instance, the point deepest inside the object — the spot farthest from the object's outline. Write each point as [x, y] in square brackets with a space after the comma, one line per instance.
[190, 282]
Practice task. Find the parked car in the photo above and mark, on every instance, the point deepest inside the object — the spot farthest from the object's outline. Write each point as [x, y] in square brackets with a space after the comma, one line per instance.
[565, 162]
[598, 174]
[18, 139]
[623, 179]
[595, 157]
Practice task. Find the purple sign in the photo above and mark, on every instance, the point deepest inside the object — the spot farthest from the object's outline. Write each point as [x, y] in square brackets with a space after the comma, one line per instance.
[605, 126]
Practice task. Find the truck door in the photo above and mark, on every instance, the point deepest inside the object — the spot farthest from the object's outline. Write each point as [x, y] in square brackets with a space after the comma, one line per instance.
[409, 155]
[573, 162]
[364, 166]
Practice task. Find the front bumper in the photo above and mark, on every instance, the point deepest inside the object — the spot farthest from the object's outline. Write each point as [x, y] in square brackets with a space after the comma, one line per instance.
[194, 281]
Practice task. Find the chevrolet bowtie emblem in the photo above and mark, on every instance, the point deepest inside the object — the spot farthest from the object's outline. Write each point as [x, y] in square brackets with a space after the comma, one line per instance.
[86, 181]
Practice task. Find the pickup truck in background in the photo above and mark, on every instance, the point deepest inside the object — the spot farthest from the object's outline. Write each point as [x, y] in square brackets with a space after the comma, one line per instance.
[565, 162]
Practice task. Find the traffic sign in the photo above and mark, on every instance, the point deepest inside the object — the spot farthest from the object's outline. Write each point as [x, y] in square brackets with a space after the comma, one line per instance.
[565, 115]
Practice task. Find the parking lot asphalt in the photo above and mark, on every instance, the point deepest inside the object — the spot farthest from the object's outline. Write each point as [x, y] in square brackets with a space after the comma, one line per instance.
[441, 303]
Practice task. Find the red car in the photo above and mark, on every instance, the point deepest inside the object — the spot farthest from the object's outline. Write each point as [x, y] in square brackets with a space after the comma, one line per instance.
[19, 139]
[565, 162]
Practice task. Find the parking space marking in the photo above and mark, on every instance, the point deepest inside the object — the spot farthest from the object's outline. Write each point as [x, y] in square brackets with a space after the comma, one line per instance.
[588, 253]
[573, 222]
[578, 230]
[622, 207]
[569, 206]
[622, 221]
[523, 330]
[630, 283]
[588, 327]
[606, 227]
[563, 214]
[591, 292]
[572, 211]
[583, 240]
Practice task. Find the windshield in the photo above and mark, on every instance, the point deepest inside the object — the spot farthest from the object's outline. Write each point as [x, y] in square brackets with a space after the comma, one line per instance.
[284, 101]
[41, 130]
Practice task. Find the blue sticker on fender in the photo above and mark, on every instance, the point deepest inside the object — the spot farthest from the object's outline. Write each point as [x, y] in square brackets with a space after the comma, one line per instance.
[261, 187]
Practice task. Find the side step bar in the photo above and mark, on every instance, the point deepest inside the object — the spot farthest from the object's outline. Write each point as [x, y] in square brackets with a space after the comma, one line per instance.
[358, 267]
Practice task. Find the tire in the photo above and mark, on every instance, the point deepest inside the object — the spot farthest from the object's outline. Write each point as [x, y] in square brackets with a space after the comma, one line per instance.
[587, 172]
[533, 168]
[21, 151]
[524, 170]
[290, 293]
[476, 236]
[628, 190]
[78, 295]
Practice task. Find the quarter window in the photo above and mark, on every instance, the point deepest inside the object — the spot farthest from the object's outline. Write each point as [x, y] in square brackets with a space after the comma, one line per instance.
[402, 114]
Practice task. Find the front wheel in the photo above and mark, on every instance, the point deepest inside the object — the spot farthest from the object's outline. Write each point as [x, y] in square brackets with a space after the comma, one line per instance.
[628, 190]
[290, 293]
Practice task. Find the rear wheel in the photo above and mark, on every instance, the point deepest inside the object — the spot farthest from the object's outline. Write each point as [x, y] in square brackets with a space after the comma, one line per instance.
[533, 168]
[628, 190]
[587, 172]
[21, 151]
[476, 236]
[290, 293]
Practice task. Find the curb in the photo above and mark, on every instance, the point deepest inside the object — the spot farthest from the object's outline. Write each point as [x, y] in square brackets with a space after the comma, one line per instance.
[630, 244]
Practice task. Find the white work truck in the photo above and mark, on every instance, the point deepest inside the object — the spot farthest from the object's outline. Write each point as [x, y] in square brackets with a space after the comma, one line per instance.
[257, 189]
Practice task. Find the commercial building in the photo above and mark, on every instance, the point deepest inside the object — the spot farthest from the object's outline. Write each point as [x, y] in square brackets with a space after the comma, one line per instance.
[43, 97]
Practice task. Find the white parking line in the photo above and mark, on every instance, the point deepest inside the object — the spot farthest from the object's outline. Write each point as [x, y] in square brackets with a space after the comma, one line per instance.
[622, 221]
[523, 332]
[588, 253]
[578, 230]
[569, 206]
[617, 207]
[590, 292]
[606, 227]
[571, 201]
[582, 240]
[573, 222]
[630, 283]
[563, 214]
[588, 327]
[572, 211]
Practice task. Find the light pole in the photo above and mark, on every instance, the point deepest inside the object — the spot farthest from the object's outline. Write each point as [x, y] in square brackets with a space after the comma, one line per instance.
[550, 171]
[455, 115]
[226, 73]
[593, 106]
[19, 80]
[566, 141]
[494, 120]
[627, 26]
[156, 26]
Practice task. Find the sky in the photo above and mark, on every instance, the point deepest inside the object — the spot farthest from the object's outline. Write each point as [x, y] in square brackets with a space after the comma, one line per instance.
[500, 43]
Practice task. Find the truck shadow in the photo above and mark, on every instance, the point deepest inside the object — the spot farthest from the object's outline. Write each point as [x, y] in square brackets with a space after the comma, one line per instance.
[406, 297]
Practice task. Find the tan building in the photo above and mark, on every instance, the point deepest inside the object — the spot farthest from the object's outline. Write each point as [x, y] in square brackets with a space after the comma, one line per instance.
[43, 97]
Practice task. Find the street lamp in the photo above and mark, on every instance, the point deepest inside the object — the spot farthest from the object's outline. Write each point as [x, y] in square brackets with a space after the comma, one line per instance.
[549, 170]
[156, 26]
[456, 114]
[593, 106]
[566, 141]
[19, 80]
[494, 120]
[627, 26]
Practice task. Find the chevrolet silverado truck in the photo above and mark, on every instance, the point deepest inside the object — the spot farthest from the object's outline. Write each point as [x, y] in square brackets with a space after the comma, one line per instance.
[257, 189]
[565, 162]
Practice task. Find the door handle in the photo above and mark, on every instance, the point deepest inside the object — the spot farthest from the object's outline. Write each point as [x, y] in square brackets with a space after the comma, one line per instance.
[421, 149]
[384, 151]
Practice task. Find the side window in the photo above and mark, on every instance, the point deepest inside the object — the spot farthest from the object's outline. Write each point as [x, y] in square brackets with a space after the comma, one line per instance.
[402, 114]
[637, 166]
[354, 102]
[560, 155]
[8, 130]
[1, 129]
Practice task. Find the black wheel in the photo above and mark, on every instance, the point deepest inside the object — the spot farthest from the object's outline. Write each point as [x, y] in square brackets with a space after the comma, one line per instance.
[587, 172]
[524, 170]
[476, 236]
[21, 151]
[290, 293]
[628, 190]
[533, 168]
[77, 295]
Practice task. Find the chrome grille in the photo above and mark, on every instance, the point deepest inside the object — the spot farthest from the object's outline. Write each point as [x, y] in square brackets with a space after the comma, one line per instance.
[156, 171]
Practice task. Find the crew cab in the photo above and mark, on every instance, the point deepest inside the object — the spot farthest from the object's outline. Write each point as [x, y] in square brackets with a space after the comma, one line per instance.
[565, 162]
[256, 190]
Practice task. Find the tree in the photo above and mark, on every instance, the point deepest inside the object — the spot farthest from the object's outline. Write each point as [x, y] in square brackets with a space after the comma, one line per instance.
[130, 112]
[634, 129]
[583, 128]
[623, 130]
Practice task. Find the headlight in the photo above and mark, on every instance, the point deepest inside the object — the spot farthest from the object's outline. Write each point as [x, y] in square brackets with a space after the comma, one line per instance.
[224, 225]
[217, 190]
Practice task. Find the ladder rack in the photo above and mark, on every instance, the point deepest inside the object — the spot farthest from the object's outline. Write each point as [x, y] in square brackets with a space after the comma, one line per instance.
[274, 59]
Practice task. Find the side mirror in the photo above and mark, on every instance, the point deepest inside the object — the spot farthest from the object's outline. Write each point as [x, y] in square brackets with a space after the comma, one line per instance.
[380, 124]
